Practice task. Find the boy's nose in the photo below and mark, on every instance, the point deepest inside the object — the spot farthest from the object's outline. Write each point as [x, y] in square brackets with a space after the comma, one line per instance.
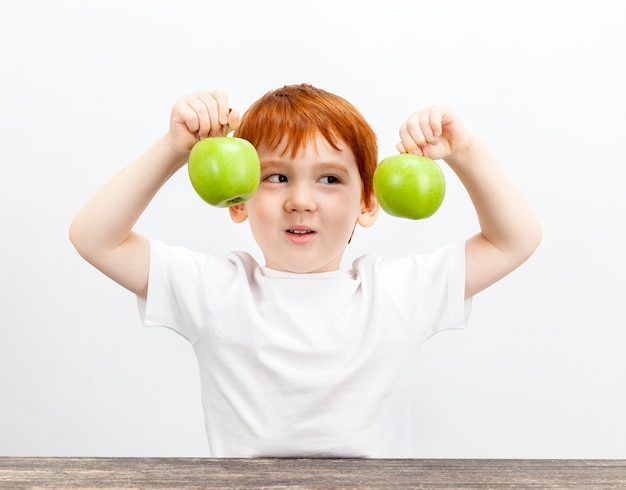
[300, 198]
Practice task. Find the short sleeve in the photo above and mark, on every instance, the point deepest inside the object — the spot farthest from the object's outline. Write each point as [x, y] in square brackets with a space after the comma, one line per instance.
[430, 287]
[184, 288]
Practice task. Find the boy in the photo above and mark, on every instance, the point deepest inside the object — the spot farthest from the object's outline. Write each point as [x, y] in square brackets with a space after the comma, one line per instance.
[297, 357]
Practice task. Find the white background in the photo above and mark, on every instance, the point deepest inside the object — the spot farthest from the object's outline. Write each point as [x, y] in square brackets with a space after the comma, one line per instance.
[87, 86]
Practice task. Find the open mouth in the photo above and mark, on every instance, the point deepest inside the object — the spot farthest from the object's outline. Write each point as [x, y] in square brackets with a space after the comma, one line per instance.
[300, 235]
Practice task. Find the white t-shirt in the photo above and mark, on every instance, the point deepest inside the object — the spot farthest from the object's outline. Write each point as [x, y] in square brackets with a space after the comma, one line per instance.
[306, 365]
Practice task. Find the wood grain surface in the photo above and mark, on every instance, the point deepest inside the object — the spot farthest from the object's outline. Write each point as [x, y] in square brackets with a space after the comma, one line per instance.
[186, 473]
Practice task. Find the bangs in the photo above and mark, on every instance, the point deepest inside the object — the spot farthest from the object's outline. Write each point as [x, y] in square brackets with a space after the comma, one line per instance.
[279, 119]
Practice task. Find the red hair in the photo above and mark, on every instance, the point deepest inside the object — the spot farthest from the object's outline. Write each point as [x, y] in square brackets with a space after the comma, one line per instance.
[298, 113]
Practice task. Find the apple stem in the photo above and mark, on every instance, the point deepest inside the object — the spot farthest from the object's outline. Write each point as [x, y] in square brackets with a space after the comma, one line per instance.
[226, 128]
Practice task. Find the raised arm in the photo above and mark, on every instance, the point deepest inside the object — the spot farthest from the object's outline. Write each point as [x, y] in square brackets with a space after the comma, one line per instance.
[102, 232]
[509, 230]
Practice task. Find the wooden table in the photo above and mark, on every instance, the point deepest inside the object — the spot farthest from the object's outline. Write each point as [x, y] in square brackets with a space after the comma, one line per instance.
[184, 473]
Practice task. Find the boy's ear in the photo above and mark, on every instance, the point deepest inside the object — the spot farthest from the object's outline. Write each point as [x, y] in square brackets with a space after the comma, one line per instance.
[238, 213]
[369, 212]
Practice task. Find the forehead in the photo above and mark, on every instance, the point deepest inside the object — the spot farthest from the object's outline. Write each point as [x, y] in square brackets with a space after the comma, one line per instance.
[315, 146]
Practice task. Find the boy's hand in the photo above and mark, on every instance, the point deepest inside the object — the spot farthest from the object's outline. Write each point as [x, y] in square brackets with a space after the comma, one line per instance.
[435, 133]
[198, 116]
[509, 230]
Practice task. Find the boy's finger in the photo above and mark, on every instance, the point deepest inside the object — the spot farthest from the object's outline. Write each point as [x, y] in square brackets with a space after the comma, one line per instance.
[201, 110]
[400, 147]
[184, 114]
[436, 121]
[426, 121]
[233, 119]
[212, 110]
[223, 107]
[411, 136]
[232, 123]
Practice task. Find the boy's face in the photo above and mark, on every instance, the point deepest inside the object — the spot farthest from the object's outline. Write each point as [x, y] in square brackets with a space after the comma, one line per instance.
[305, 209]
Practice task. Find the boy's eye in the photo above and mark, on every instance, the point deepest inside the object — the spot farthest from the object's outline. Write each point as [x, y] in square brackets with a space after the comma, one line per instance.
[329, 179]
[276, 178]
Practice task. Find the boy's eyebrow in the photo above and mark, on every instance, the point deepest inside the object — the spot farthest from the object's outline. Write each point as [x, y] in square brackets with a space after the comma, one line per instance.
[318, 165]
[333, 165]
[272, 163]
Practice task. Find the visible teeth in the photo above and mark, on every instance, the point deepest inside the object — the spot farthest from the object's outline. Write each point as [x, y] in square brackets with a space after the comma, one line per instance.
[300, 232]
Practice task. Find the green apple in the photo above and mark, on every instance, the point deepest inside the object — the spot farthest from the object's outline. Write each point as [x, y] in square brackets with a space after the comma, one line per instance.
[224, 171]
[409, 186]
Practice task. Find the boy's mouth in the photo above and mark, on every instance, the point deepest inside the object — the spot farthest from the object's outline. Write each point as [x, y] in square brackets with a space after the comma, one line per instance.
[300, 234]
